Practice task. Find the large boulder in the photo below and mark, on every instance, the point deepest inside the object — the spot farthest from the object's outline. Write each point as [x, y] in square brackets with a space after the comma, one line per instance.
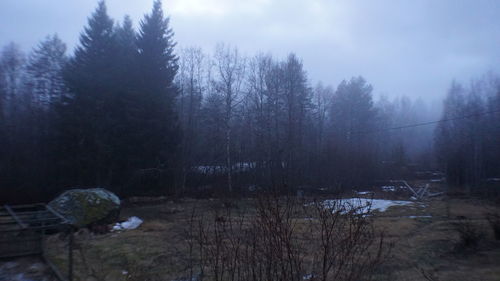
[82, 207]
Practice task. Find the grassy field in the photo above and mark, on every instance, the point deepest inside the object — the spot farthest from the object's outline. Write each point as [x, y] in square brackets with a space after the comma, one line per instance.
[425, 243]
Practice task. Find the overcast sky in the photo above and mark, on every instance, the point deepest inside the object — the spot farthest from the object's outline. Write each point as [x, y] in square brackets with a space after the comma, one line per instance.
[412, 47]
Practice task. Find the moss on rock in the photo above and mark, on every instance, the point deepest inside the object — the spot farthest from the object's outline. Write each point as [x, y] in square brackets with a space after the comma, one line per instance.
[82, 207]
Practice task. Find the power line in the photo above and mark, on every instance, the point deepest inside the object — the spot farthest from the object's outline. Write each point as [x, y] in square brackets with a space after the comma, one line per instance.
[427, 123]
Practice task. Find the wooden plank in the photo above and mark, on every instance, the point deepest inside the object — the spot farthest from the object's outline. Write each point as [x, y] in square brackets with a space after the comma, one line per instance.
[47, 226]
[425, 191]
[20, 254]
[8, 222]
[418, 190]
[20, 240]
[21, 224]
[54, 268]
[28, 213]
[407, 185]
[28, 206]
[41, 220]
[11, 228]
[56, 214]
[70, 256]
[435, 194]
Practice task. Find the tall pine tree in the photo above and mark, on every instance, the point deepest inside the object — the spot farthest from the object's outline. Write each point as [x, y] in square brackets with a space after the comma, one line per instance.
[86, 119]
[158, 66]
[125, 56]
[45, 71]
[156, 52]
[46, 86]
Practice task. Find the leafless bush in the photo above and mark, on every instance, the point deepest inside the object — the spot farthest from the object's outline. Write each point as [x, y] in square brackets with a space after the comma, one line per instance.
[348, 248]
[494, 220]
[276, 242]
[468, 233]
[220, 244]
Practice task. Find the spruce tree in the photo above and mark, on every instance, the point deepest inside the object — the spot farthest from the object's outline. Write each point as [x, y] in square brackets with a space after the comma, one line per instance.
[157, 68]
[92, 57]
[156, 52]
[86, 121]
[125, 55]
[125, 105]
[45, 71]
[352, 114]
[45, 87]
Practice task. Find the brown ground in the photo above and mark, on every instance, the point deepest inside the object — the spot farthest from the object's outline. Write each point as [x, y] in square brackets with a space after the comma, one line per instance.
[424, 248]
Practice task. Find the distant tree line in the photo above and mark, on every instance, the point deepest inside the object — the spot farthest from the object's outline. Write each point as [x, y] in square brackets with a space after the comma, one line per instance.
[468, 143]
[129, 112]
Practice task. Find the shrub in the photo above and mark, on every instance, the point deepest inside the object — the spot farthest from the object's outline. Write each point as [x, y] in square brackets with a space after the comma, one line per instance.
[469, 234]
[494, 220]
[283, 240]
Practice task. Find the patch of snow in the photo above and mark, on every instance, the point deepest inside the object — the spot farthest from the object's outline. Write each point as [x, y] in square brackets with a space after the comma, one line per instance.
[363, 205]
[9, 265]
[493, 179]
[131, 223]
[220, 169]
[210, 169]
[364, 192]
[438, 180]
[416, 217]
[36, 267]
[244, 166]
[124, 272]
[388, 188]
[307, 277]
[20, 277]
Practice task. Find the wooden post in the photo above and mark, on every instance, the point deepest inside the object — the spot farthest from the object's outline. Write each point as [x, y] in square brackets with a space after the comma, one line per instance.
[70, 254]
[425, 192]
[14, 216]
[408, 186]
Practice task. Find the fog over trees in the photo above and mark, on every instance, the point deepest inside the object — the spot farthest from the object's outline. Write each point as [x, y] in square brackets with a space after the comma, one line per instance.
[130, 111]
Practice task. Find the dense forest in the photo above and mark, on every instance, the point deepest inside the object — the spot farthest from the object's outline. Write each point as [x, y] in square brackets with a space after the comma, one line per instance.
[130, 111]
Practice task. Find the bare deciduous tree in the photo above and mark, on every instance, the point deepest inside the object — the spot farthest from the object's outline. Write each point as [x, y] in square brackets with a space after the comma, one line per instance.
[191, 81]
[228, 80]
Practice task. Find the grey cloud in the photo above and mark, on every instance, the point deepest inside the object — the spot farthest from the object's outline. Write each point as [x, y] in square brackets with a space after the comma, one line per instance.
[402, 47]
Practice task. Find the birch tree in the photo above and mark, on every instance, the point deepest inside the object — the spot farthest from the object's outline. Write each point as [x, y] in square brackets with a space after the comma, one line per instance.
[229, 76]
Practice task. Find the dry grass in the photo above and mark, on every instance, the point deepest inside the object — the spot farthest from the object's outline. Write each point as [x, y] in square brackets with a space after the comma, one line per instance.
[428, 246]
[424, 247]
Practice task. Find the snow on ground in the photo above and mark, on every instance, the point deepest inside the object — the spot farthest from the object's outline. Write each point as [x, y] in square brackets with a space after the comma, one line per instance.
[438, 180]
[388, 188]
[363, 205]
[364, 192]
[210, 169]
[131, 223]
[493, 179]
[220, 169]
[416, 217]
